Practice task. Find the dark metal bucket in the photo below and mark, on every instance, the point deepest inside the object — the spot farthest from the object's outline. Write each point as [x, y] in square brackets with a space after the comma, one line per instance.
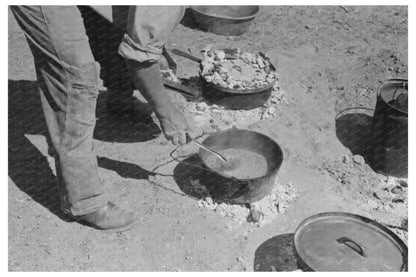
[387, 148]
[230, 189]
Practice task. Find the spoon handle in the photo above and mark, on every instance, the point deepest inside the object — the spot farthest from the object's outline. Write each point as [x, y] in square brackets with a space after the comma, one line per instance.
[210, 150]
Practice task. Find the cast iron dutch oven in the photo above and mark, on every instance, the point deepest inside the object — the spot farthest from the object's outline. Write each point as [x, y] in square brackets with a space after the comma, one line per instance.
[226, 188]
[336, 241]
[233, 99]
[224, 20]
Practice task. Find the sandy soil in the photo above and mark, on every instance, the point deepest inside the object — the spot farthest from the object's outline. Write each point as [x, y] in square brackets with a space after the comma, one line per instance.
[329, 59]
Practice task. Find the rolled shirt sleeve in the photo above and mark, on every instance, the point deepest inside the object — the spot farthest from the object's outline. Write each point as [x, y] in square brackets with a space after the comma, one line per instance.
[148, 30]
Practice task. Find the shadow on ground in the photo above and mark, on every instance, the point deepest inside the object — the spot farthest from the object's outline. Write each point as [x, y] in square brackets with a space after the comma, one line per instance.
[30, 170]
[353, 130]
[27, 166]
[186, 173]
[125, 128]
[196, 181]
[124, 169]
[276, 254]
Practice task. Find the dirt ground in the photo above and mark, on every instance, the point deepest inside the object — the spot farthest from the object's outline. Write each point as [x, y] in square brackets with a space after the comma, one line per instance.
[328, 59]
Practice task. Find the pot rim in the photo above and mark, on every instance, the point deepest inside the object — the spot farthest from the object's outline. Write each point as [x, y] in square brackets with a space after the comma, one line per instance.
[385, 83]
[232, 177]
[257, 9]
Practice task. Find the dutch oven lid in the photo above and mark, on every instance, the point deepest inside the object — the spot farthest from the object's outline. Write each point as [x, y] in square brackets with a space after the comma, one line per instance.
[346, 242]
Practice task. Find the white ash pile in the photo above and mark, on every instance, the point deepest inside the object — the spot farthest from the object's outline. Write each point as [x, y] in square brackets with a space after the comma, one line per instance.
[376, 191]
[387, 196]
[392, 196]
[258, 213]
[277, 97]
[217, 118]
[282, 195]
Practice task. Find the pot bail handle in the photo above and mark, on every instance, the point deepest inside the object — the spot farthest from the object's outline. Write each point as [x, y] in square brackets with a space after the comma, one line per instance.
[353, 245]
[404, 83]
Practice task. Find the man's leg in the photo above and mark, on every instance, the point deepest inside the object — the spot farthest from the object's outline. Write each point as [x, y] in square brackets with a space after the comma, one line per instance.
[104, 38]
[67, 77]
[105, 27]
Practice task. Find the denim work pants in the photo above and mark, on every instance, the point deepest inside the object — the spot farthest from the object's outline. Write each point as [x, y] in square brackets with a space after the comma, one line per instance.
[104, 39]
[68, 81]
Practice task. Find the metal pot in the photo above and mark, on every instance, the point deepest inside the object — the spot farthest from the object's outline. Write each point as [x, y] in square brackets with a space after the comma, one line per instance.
[233, 99]
[224, 20]
[227, 188]
[236, 99]
[387, 149]
[336, 241]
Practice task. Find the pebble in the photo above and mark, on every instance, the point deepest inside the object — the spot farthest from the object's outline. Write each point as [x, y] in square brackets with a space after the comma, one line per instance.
[358, 159]
[391, 182]
[402, 182]
[397, 199]
[398, 190]
[202, 106]
[255, 215]
[382, 194]
[405, 224]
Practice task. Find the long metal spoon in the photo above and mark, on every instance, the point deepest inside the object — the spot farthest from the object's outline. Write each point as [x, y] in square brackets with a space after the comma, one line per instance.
[221, 157]
[226, 163]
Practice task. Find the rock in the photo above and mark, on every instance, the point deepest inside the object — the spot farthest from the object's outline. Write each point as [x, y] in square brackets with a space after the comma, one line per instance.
[358, 159]
[381, 195]
[391, 182]
[209, 201]
[255, 216]
[405, 224]
[402, 182]
[398, 190]
[344, 159]
[397, 199]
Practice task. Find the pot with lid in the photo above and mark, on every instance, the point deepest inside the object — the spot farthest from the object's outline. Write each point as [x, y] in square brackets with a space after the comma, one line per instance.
[336, 241]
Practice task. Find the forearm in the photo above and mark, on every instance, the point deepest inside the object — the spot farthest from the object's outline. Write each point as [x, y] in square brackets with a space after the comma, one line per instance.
[148, 80]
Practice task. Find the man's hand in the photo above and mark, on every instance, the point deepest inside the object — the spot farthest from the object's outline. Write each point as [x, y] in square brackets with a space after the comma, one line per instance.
[147, 78]
[174, 126]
